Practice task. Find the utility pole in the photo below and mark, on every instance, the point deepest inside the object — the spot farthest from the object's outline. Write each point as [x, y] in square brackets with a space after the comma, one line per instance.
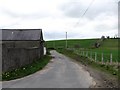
[66, 40]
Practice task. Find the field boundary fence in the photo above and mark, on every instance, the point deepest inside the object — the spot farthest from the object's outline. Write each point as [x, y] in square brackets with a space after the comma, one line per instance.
[97, 57]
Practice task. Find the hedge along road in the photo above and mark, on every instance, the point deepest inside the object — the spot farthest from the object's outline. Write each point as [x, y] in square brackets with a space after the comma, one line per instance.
[61, 72]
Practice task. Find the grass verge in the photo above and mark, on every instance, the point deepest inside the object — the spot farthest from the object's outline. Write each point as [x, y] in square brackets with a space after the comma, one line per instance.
[26, 70]
[87, 62]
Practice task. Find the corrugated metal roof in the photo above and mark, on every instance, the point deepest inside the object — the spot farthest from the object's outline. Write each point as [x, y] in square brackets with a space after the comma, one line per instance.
[22, 34]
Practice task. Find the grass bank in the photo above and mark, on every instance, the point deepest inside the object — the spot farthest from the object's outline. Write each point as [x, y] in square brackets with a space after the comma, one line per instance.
[87, 62]
[26, 70]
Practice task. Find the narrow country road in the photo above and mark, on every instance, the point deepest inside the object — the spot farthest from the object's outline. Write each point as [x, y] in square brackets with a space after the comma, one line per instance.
[61, 72]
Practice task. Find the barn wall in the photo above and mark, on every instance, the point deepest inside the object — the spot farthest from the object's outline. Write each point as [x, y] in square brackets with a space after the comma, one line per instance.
[0, 57]
[21, 44]
[13, 58]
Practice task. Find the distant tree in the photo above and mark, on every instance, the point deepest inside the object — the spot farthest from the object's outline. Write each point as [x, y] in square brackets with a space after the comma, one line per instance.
[108, 37]
[103, 38]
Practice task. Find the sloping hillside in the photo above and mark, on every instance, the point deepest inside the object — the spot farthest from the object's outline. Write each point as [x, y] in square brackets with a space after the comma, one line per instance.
[107, 47]
[110, 44]
[82, 43]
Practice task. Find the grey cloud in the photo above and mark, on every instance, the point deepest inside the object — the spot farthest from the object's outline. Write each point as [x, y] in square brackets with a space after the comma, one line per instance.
[102, 28]
[75, 9]
[71, 35]
[72, 9]
[24, 15]
[54, 35]
[9, 25]
[119, 19]
[62, 35]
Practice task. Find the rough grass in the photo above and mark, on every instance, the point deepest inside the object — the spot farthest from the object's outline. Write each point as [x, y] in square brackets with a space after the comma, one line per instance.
[26, 70]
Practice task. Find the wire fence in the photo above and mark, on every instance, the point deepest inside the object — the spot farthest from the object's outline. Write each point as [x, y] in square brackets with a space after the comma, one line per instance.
[97, 57]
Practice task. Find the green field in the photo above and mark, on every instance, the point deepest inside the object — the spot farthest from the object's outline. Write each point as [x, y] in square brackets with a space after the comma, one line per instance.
[109, 46]
[83, 43]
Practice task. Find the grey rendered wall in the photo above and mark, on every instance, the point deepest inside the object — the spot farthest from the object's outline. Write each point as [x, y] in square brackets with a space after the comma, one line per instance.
[21, 44]
[13, 58]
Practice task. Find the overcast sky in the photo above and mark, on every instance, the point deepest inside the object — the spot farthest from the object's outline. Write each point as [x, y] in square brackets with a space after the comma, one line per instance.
[55, 17]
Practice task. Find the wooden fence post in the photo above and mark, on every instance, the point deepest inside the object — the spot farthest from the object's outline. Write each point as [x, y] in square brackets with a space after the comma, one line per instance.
[111, 58]
[102, 58]
[95, 57]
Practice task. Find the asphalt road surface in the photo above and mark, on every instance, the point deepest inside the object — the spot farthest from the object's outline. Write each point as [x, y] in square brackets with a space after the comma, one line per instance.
[61, 72]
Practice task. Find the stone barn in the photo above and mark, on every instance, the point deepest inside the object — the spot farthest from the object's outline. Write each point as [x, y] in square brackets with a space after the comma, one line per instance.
[21, 47]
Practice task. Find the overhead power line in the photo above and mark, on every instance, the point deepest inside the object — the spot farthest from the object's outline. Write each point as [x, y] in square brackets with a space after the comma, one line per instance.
[85, 11]
[88, 8]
